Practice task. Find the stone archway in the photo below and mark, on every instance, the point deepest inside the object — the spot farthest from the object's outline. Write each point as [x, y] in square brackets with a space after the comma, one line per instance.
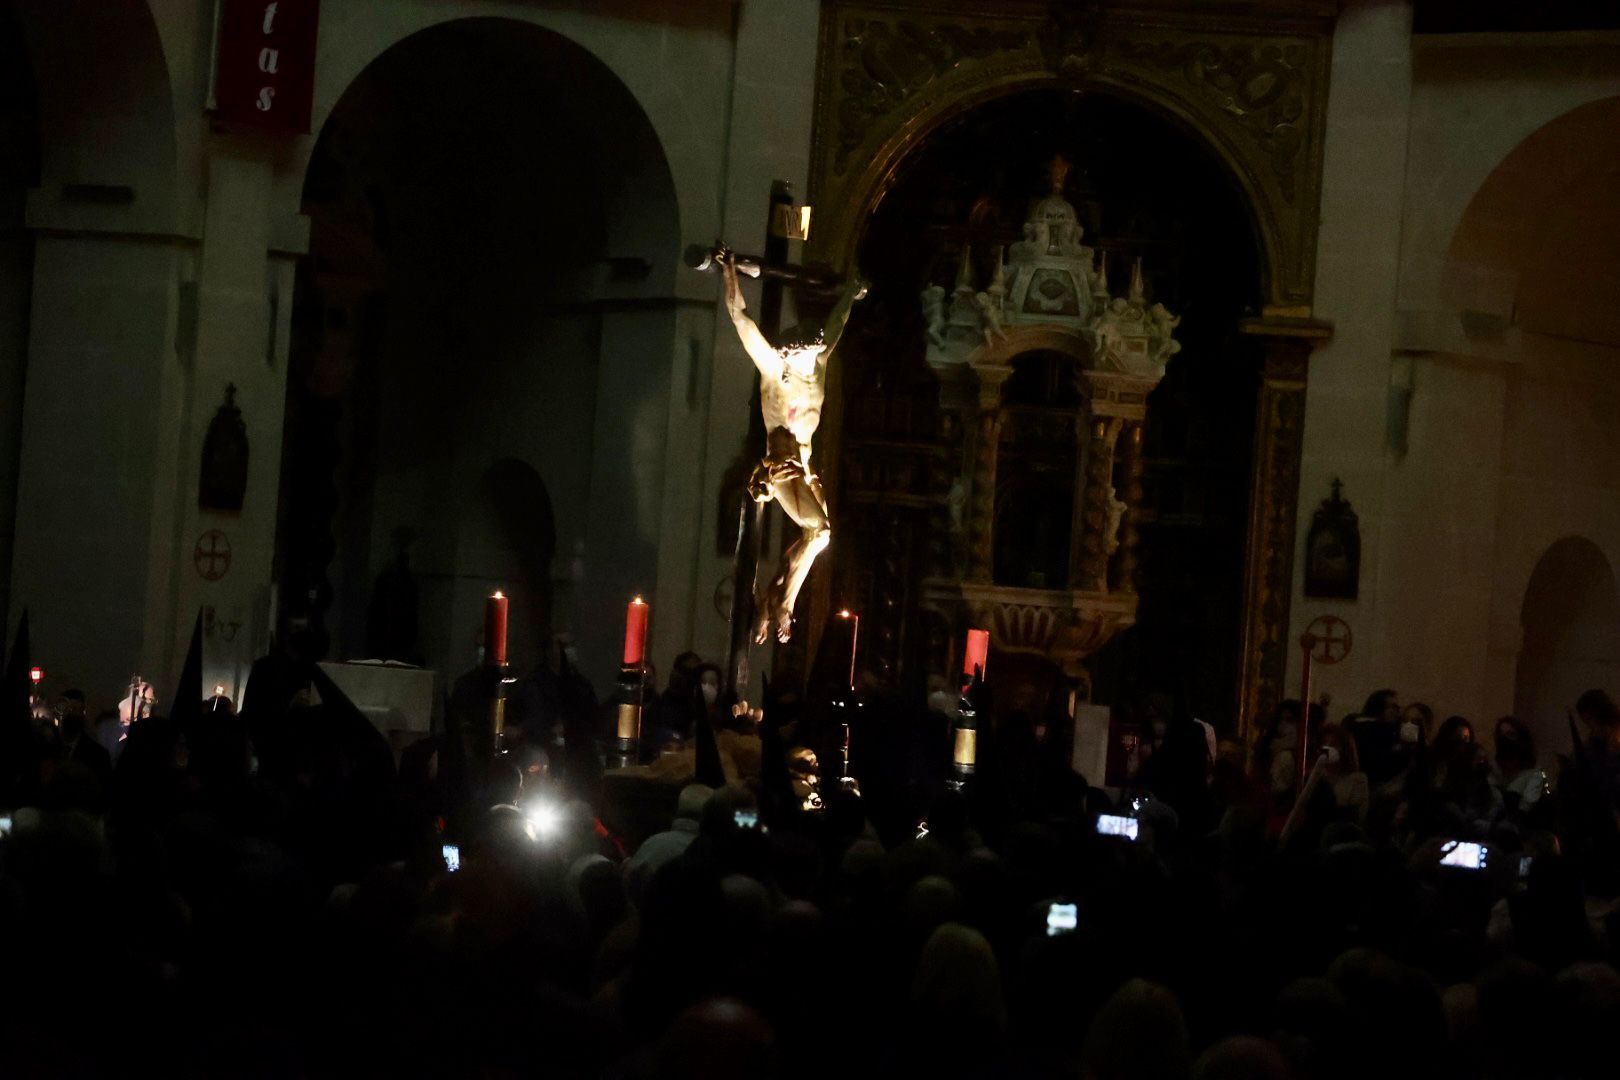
[507, 539]
[1571, 639]
[484, 284]
[1538, 248]
[1251, 87]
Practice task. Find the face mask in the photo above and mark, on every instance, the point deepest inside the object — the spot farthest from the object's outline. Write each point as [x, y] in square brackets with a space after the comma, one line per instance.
[1288, 736]
[711, 693]
[942, 701]
[1330, 755]
[1409, 732]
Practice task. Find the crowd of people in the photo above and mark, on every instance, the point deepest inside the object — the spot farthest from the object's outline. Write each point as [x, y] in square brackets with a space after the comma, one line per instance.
[799, 889]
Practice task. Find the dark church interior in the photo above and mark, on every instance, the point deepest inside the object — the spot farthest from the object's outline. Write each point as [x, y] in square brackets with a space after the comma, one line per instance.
[792, 539]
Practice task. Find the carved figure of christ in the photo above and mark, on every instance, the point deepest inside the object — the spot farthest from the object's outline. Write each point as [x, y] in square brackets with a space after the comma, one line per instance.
[793, 385]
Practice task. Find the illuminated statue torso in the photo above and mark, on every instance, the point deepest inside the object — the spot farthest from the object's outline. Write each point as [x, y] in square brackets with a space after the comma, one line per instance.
[793, 400]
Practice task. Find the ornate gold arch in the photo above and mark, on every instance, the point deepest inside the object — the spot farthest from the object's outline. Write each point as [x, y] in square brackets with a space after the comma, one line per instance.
[1249, 81]
[1253, 88]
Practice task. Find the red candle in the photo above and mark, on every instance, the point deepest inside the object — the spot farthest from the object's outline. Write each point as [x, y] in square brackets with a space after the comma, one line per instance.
[635, 633]
[495, 629]
[978, 652]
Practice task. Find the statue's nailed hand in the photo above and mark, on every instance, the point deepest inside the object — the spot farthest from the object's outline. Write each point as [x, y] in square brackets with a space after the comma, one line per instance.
[728, 274]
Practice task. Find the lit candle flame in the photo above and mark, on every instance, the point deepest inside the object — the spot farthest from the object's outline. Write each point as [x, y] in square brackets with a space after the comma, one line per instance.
[639, 600]
[498, 595]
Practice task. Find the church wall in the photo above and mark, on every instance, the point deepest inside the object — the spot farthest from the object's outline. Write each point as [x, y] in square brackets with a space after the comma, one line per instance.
[243, 303]
[1502, 447]
[1560, 478]
[1477, 97]
[103, 394]
[16, 287]
[635, 363]
[445, 419]
[110, 325]
[1363, 172]
[728, 91]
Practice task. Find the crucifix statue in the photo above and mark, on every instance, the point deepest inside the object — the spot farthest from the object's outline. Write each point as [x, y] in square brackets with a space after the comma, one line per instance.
[793, 385]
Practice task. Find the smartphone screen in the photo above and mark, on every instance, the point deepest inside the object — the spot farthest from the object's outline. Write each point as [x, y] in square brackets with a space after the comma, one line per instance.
[1116, 825]
[1061, 919]
[1525, 862]
[746, 819]
[452, 857]
[5, 824]
[1462, 854]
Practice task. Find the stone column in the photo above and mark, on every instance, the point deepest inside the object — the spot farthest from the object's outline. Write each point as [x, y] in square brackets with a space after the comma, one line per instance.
[244, 300]
[1130, 492]
[982, 494]
[1273, 494]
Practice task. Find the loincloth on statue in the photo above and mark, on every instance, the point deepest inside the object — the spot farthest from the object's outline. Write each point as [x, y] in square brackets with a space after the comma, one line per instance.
[781, 463]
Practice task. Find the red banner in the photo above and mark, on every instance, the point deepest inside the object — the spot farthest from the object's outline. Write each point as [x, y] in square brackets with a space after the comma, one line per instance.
[265, 73]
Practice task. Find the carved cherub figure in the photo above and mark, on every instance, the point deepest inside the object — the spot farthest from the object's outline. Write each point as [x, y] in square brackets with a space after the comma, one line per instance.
[933, 303]
[990, 313]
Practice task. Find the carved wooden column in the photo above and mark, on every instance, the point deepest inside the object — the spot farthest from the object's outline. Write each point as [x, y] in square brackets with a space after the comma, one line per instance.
[1130, 493]
[1091, 572]
[1273, 494]
[986, 442]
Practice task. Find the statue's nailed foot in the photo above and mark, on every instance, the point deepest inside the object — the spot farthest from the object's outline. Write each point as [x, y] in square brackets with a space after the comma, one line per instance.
[784, 627]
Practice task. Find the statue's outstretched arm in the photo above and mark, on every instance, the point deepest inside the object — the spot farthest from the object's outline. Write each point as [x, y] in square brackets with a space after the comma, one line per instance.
[854, 289]
[765, 358]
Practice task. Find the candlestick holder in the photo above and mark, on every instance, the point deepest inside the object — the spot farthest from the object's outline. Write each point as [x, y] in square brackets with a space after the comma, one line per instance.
[846, 782]
[965, 737]
[627, 725]
[497, 708]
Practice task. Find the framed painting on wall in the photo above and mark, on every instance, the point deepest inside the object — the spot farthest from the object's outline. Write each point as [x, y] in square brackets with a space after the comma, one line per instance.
[1333, 550]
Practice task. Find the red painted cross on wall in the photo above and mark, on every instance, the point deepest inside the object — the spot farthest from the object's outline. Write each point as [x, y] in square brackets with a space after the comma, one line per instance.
[212, 555]
[1330, 639]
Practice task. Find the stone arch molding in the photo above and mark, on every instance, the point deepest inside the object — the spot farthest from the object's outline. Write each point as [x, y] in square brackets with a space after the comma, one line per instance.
[1015, 341]
[1539, 239]
[1588, 528]
[106, 111]
[1570, 618]
[349, 49]
[1253, 89]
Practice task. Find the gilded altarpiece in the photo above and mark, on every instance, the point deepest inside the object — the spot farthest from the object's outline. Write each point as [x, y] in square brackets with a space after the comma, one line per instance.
[1248, 80]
